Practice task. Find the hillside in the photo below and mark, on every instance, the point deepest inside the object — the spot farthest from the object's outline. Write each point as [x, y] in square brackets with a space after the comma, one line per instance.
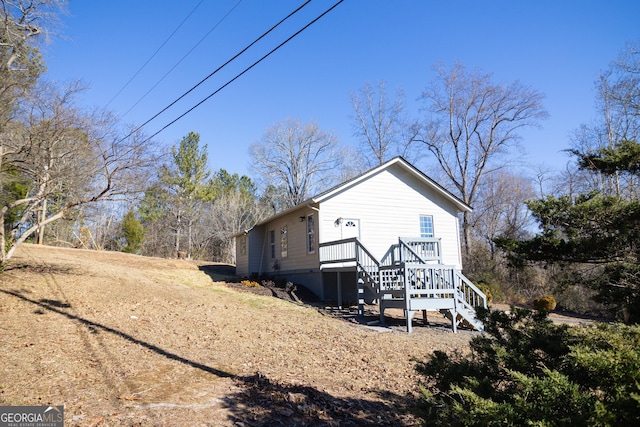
[127, 340]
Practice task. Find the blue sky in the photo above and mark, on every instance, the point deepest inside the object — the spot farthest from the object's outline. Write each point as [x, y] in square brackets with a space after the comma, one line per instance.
[557, 47]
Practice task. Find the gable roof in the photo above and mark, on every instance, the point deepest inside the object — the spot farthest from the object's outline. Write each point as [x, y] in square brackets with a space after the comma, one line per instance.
[396, 161]
[401, 162]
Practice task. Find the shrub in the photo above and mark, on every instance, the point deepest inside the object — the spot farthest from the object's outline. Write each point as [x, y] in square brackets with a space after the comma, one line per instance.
[547, 303]
[250, 284]
[490, 286]
[133, 233]
[526, 370]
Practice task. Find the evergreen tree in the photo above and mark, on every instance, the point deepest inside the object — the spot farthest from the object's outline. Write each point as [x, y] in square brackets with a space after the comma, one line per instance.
[596, 230]
[185, 186]
[132, 232]
[526, 370]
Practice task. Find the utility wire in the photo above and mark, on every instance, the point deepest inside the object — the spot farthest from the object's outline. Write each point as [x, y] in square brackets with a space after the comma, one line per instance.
[152, 56]
[220, 68]
[183, 58]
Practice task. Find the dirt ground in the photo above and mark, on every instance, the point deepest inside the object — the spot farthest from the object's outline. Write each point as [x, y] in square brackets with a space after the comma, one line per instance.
[127, 340]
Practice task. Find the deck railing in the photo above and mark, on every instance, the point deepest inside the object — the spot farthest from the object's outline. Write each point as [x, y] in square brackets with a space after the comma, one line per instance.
[338, 251]
[413, 250]
[347, 250]
[420, 250]
[367, 266]
[419, 280]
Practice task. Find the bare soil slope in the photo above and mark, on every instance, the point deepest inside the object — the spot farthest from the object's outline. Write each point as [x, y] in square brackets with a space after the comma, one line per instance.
[127, 340]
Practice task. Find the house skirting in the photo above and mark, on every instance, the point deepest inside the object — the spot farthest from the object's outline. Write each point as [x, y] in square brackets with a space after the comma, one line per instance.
[340, 286]
[309, 278]
[335, 285]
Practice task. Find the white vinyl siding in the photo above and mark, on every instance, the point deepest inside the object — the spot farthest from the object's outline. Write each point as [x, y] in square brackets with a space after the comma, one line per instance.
[389, 205]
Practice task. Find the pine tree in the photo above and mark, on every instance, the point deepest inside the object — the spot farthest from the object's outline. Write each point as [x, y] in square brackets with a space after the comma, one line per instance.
[132, 232]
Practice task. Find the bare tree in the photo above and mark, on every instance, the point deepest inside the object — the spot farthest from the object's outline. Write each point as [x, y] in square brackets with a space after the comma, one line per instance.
[618, 102]
[233, 212]
[500, 209]
[66, 158]
[22, 24]
[470, 122]
[619, 95]
[379, 124]
[349, 169]
[301, 158]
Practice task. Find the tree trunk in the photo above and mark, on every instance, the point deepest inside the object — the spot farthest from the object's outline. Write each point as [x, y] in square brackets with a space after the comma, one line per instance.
[466, 235]
[42, 215]
[189, 241]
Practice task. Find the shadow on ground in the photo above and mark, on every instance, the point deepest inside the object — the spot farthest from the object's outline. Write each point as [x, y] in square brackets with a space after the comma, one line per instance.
[261, 401]
[219, 272]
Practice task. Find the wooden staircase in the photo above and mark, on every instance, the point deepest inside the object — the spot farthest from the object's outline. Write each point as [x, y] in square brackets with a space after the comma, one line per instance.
[411, 277]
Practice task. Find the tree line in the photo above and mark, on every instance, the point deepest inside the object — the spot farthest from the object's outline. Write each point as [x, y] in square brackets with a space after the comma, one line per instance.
[70, 176]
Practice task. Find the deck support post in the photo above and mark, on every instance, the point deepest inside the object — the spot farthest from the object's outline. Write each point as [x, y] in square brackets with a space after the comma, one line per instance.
[339, 290]
[407, 300]
[454, 320]
[409, 316]
[360, 296]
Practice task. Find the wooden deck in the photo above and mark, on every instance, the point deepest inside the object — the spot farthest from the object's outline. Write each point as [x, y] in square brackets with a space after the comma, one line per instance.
[411, 277]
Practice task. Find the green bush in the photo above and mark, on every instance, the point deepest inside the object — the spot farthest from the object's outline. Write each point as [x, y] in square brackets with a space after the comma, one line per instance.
[547, 303]
[526, 370]
[133, 233]
[488, 284]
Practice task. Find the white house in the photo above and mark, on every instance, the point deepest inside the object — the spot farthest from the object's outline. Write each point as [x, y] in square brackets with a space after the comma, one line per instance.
[375, 237]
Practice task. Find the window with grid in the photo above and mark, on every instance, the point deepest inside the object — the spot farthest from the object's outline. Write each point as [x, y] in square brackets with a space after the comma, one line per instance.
[311, 234]
[426, 226]
[272, 243]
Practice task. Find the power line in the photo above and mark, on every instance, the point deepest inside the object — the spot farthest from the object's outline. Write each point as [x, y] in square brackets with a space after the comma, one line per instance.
[224, 65]
[153, 55]
[183, 58]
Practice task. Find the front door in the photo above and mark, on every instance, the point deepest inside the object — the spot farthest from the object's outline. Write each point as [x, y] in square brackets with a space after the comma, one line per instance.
[350, 228]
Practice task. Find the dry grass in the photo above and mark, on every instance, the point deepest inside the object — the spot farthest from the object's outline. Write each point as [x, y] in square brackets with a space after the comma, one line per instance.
[127, 340]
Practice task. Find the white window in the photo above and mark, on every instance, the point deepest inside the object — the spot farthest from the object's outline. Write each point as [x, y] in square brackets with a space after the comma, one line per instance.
[284, 242]
[426, 226]
[311, 234]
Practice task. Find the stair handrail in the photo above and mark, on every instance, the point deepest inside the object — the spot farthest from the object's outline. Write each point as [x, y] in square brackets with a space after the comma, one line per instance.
[405, 243]
[404, 246]
[365, 251]
[477, 294]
